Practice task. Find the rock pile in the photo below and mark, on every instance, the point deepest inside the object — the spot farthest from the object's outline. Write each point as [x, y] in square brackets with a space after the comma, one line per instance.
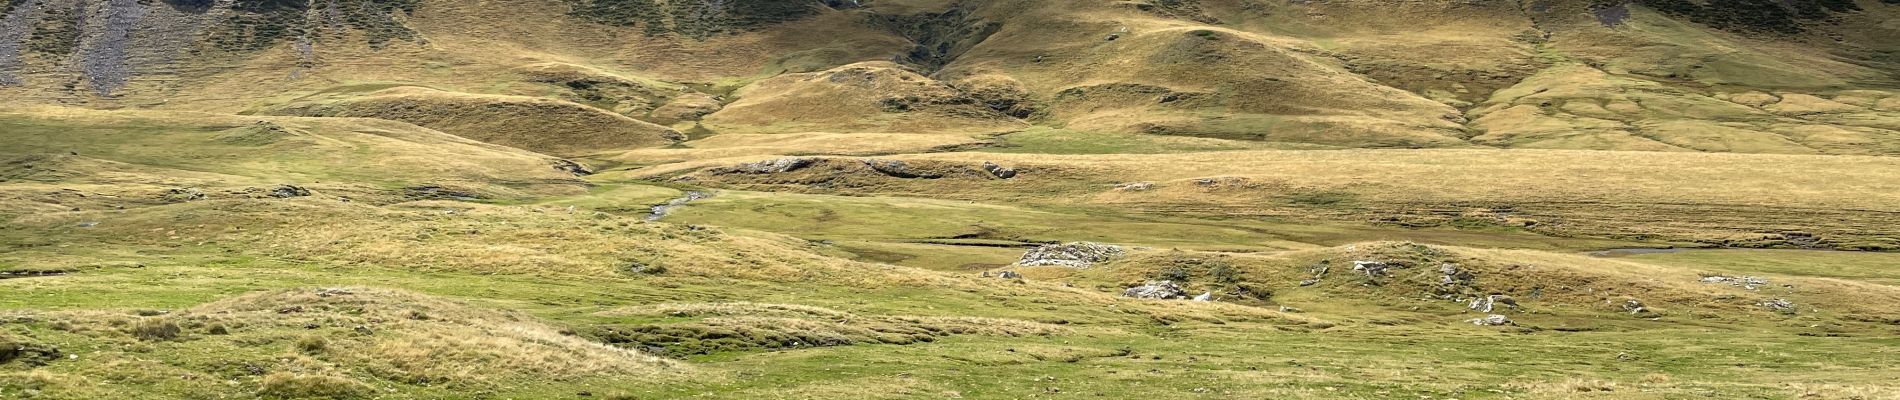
[1073, 255]
[1004, 275]
[289, 191]
[1745, 282]
[1778, 305]
[1372, 269]
[1634, 306]
[1156, 290]
[1493, 320]
[1488, 303]
[178, 195]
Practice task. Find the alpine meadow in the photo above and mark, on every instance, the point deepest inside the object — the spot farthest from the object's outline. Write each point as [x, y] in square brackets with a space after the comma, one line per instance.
[944, 199]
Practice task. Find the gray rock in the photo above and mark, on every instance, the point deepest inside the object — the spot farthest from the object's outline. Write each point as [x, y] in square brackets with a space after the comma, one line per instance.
[1453, 276]
[1156, 290]
[1492, 320]
[1135, 186]
[898, 169]
[1073, 255]
[1209, 296]
[1488, 303]
[1778, 305]
[1372, 269]
[179, 195]
[774, 166]
[1745, 282]
[998, 170]
[572, 167]
[1009, 275]
[1634, 306]
[289, 191]
[1286, 309]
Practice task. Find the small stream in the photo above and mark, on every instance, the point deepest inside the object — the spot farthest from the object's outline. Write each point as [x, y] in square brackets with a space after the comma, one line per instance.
[660, 211]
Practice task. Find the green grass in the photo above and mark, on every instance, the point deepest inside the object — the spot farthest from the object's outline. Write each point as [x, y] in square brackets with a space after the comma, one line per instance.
[1874, 267]
[1043, 140]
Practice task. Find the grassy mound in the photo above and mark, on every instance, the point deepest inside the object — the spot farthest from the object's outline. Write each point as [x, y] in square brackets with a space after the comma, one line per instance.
[345, 342]
[107, 159]
[726, 327]
[861, 97]
[534, 124]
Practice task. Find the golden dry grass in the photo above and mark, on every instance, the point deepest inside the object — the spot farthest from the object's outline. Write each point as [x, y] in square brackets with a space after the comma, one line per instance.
[534, 124]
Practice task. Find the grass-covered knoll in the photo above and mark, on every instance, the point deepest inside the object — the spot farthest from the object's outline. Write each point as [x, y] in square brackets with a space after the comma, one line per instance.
[58, 159]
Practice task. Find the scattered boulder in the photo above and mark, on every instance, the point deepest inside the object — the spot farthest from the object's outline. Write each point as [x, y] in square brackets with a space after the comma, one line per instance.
[1453, 276]
[433, 192]
[998, 171]
[1319, 272]
[1286, 309]
[1634, 306]
[180, 195]
[1372, 269]
[643, 268]
[1487, 303]
[1493, 320]
[1778, 305]
[1073, 255]
[1135, 186]
[1004, 275]
[289, 191]
[1745, 282]
[774, 166]
[329, 292]
[1164, 290]
[1209, 296]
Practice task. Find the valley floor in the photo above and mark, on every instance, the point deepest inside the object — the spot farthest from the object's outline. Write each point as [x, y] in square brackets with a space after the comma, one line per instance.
[248, 257]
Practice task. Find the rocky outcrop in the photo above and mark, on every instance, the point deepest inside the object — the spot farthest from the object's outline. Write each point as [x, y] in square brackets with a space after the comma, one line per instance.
[573, 167]
[1745, 282]
[773, 166]
[898, 169]
[1372, 269]
[289, 191]
[1778, 305]
[1073, 255]
[1492, 320]
[1165, 290]
[998, 171]
[1492, 302]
